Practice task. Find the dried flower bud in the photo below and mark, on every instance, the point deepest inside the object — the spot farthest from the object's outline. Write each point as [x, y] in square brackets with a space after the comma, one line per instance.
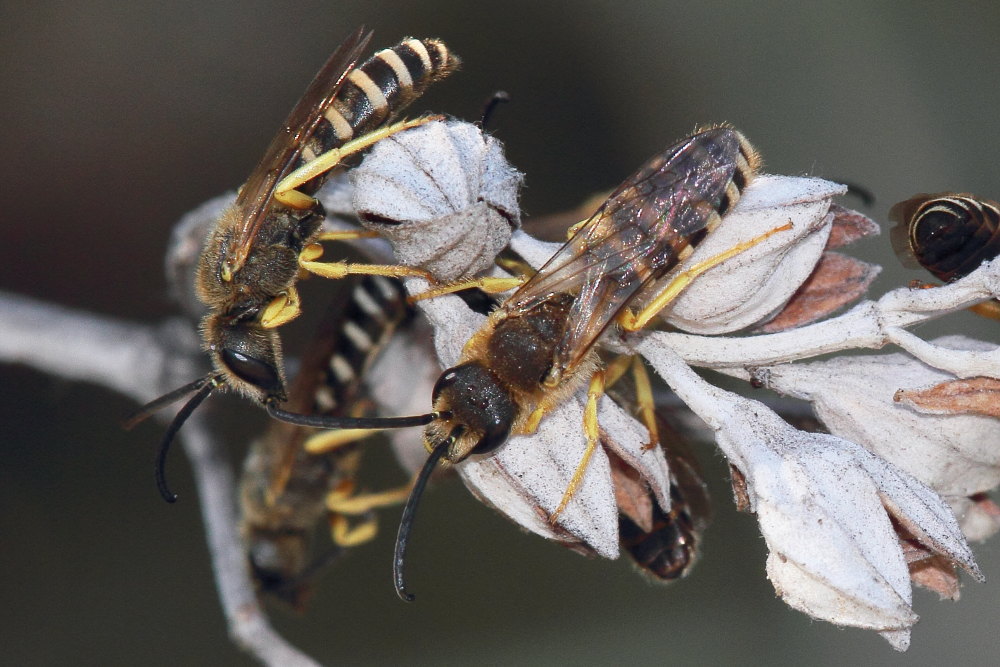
[824, 507]
[853, 396]
[755, 284]
[444, 196]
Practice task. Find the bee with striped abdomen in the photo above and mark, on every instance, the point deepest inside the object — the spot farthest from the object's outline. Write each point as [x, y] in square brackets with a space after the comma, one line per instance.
[538, 347]
[290, 473]
[948, 234]
[253, 256]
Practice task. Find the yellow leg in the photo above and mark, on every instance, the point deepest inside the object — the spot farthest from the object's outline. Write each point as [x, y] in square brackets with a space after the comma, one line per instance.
[487, 284]
[338, 270]
[347, 235]
[590, 429]
[515, 267]
[345, 535]
[644, 397]
[286, 192]
[344, 501]
[534, 420]
[283, 309]
[634, 321]
[573, 229]
[327, 441]
[614, 371]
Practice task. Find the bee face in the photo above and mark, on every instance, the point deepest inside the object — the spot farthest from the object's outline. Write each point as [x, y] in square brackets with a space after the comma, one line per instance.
[480, 408]
[248, 355]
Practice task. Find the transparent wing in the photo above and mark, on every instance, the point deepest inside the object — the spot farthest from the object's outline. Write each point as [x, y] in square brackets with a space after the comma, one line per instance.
[285, 149]
[635, 237]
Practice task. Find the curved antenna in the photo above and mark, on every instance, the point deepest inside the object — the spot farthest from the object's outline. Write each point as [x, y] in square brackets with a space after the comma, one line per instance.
[498, 98]
[320, 421]
[410, 510]
[158, 404]
[210, 383]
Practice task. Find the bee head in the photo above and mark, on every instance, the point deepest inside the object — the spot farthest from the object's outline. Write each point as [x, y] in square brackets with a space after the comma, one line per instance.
[472, 400]
[247, 354]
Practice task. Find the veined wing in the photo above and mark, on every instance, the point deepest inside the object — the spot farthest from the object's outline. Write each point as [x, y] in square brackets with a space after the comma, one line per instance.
[285, 150]
[638, 235]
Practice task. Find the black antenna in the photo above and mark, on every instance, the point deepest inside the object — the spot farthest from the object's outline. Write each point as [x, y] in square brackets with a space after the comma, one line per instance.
[410, 511]
[158, 404]
[209, 384]
[491, 106]
[321, 421]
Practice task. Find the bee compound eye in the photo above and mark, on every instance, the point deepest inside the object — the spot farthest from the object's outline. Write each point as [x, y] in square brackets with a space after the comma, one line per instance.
[258, 373]
[447, 379]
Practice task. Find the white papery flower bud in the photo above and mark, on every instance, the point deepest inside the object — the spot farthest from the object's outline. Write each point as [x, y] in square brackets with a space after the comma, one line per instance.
[957, 455]
[443, 194]
[824, 505]
[755, 284]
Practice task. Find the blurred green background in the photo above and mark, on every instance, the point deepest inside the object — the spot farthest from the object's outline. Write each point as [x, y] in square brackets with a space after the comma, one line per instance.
[117, 120]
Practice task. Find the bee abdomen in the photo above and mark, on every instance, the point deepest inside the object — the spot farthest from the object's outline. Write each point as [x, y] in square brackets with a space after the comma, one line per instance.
[376, 308]
[381, 87]
[668, 550]
[951, 235]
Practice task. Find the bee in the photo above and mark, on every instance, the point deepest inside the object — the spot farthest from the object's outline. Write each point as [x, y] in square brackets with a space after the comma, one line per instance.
[538, 346]
[667, 548]
[948, 234]
[252, 258]
[284, 486]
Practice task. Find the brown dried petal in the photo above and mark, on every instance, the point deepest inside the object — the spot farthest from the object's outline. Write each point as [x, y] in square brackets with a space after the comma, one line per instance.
[740, 495]
[930, 571]
[849, 226]
[631, 493]
[837, 281]
[977, 396]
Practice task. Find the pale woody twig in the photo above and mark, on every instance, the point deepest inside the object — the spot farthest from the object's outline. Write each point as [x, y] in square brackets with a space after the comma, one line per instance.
[871, 324]
[141, 362]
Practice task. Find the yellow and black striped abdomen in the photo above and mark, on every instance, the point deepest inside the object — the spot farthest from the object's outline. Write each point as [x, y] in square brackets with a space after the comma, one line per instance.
[375, 91]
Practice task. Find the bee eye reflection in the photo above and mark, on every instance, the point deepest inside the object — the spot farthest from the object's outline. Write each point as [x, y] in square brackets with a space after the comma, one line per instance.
[258, 373]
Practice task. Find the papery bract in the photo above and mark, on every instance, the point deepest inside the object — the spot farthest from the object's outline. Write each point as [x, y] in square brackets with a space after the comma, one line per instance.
[957, 455]
[751, 286]
[444, 196]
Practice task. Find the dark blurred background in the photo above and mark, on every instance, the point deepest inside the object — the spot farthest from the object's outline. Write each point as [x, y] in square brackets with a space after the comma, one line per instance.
[115, 121]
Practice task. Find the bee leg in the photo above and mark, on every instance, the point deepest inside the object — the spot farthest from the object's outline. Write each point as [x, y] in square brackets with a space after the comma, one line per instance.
[283, 309]
[617, 369]
[343, 500]
[588, 208]
[573, 229]
[644, 397]
[347, 235]
[630, 321]
[286, 193]
[328, 441]
[534, 419]
[487, 284]
[346, 535]
[590, 429]
[338, 270]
